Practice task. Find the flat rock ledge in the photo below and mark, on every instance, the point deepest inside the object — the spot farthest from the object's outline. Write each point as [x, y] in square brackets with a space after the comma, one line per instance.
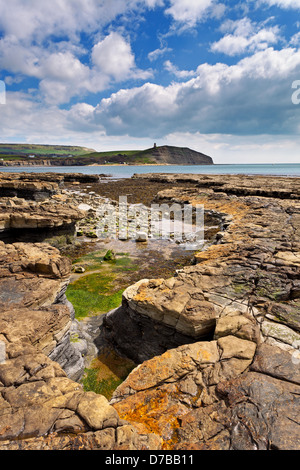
[42, 409]
[238, 389]
[36, 208]
[41, 404]
[226, 394]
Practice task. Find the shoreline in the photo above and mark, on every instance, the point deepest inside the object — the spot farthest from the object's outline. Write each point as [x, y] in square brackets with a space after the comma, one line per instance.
[110, 177]
[154, 164]
[116, 171]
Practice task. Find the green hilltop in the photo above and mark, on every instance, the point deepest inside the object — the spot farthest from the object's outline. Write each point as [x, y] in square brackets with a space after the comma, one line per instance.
[23, 150]
[81, 156]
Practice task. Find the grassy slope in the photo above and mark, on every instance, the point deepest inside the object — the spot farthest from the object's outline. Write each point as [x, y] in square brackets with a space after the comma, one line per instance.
[8, 150]
[148, 156]
[80, 155]
[20, 152]
[120, 156]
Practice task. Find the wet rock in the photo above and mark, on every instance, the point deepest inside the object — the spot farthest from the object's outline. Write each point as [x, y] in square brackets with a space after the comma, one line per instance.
[79, 270]
[141, 237]
[109, 256]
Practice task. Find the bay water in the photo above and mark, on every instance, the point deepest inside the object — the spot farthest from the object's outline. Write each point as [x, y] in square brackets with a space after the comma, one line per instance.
[127, 171]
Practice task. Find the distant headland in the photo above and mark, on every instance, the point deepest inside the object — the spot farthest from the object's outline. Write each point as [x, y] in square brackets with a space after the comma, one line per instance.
[57, 155]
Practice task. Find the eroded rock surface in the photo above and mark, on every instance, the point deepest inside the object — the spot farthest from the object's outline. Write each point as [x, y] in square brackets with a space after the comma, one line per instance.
[42, 409]
[35, 207]
[33, 306]
[245, 290]
[41, 405]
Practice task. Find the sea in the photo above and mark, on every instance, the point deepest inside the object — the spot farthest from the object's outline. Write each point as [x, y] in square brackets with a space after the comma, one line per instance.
[127, 171]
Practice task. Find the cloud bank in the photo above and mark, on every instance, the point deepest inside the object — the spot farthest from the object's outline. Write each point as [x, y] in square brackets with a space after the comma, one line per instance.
[94, 71]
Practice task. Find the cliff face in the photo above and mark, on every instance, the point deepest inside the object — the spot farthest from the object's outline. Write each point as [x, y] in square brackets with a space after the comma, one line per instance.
[33, 208]
[169, 155]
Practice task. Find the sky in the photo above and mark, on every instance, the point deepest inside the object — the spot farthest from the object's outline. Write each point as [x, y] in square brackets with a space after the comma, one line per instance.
[218, 76]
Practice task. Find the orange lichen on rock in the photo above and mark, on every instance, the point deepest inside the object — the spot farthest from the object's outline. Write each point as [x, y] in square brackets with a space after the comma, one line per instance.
[233, 208]
[213, 252]
[155, 412]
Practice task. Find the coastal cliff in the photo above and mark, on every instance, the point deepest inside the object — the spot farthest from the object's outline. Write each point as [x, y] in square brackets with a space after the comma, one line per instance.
[170, 155]
[163, 155]
[221, 369]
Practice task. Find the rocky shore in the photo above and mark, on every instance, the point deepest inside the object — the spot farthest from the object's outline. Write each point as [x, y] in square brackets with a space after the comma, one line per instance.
[34, 207]
[240, 389]
[217, 344]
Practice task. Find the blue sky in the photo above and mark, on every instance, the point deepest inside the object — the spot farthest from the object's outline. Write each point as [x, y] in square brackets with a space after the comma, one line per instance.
[212, 75]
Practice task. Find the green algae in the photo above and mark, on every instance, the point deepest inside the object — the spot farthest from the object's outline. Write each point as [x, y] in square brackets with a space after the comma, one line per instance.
[100, 289]
[104, 387]
[93, 294]
[106, 373]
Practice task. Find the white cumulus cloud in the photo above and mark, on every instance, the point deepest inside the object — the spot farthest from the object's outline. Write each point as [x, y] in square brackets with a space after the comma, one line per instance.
[250, 97]
[189, 12]
[294, 4]
[113, 57]
[36, 19]
[171, 68]
[244, 36]
[154, 55]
